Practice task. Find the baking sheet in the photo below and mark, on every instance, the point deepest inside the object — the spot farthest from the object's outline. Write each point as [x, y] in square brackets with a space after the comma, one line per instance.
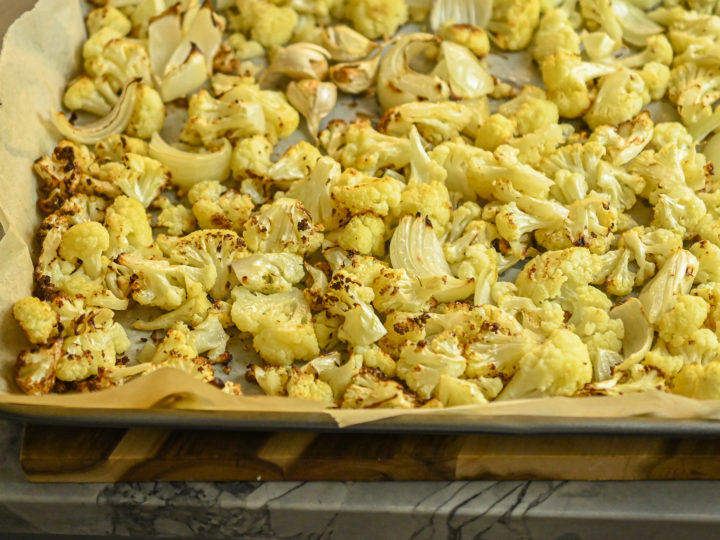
[39, 55]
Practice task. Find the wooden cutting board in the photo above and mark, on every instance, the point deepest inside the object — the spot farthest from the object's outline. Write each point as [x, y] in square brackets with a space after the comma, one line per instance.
[60, 454]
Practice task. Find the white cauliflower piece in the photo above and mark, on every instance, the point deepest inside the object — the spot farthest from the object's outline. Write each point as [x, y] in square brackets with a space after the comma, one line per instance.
[216, 247]
[139, 177]
[216, 207]
[356, 193]
[513, 23]
[251, 157]
[281, 325]
[269, 273]
[283, 226]
[560, 366]
[376, 18]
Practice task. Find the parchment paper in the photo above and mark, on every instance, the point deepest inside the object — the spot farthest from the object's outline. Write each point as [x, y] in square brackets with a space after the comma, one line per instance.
[40, 54]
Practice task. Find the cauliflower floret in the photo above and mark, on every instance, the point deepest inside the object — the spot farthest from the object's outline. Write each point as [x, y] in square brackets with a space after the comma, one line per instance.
[251, 157]
[534, 147]
[374, 357]
[283, 226]
[139, 177]
[348, 297]
[216, 207]
[682, 320]
[566, 76]
[280, 323]
[361, 147]
[657, 79]
[35, 368]
[364, 234]
[621, 95]
[624, 142]
[555, 34]
[69, 171]
[127, 225]
[114, 147]
[376, 18]
[560, 366]
[268, 24]
[177, 350]
[467, 35]
[269, 273]
[193, 311]
[120, 60]
[530, 110]
[37, 319]
[314, 192]
[674, 278]
[211, 119]
[590, 223]
[513, 22]
[356, 193]
[430, 199]
[295, 164]
[708, 255]
[545, 276]
[107, 16]
[155, 282]
[395, 290]
[84, 243]
[421, 365]
[97, 346]
[84, 94]
[148, 114]
[306, 385]
[453, 392]
[219, 248]
[177, 218]
[496, 130]
[271, 379]
[281, 119]
[370, 390]
[698, 381]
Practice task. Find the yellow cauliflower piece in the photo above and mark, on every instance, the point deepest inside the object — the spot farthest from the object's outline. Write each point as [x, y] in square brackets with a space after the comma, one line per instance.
[376, 18]
[559, 367]
[37, 319]
[698, 381]
[364, 234]
[513, 22]
[356, 193]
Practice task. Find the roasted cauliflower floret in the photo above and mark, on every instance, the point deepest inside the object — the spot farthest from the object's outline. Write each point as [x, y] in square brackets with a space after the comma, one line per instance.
[560, 366]
[376, 18]
[283, 226]
[37, 319]
[281, 325]
[215, 207]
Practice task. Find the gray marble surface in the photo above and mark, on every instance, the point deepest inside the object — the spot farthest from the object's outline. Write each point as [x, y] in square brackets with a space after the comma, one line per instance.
[355, 510]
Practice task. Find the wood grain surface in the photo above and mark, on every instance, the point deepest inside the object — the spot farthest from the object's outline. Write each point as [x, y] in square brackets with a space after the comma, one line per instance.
[60, 454]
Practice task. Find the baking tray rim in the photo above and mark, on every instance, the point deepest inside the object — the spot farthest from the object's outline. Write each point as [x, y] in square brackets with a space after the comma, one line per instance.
[447, 423]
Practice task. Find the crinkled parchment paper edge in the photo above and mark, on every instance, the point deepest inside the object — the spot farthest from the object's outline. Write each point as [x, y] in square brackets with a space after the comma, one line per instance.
[40, 53]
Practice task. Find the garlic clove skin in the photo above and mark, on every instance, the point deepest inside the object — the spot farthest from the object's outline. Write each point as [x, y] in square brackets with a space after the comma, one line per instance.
[345, 44]
[298, 61]
[355, 77]
[313, 99]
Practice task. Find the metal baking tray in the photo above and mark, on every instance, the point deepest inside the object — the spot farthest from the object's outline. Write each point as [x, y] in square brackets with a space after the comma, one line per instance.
[514, 68]
[445, 423]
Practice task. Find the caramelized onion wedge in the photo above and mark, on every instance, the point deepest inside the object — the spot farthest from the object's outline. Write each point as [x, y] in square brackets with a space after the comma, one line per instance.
[114, 122]
[188, 168]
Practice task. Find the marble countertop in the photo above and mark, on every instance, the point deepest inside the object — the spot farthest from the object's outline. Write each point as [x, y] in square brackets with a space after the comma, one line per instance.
[355, 510]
